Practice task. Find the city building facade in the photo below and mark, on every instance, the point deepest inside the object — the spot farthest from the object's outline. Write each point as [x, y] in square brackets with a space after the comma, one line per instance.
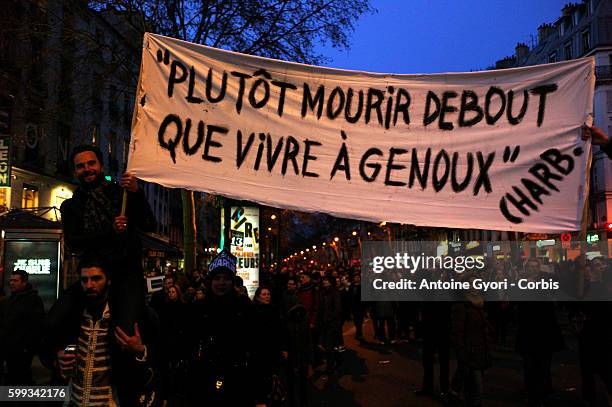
[584, 29]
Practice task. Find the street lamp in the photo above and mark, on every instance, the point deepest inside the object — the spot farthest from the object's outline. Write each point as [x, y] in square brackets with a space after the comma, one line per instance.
[354, 233]
[273, 216]
[336, 239]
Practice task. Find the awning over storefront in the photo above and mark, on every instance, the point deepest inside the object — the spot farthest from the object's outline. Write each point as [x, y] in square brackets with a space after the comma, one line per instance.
[27, 219]
[154, 247]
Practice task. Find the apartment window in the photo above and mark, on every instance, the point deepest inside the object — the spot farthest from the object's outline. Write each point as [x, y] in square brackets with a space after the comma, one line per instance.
[609, 101]
[586, 40]
[568, 50]
[29, 199]
[552, 57]
[567, 24]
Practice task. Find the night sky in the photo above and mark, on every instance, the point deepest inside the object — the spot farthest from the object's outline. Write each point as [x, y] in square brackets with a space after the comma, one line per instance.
[431, 36]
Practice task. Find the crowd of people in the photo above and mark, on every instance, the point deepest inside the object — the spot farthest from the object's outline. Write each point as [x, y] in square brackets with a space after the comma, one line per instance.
[202, 339]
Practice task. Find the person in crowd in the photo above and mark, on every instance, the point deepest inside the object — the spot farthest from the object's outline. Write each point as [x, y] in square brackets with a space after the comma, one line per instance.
[599, 138]
[199, 295]
[358, 307]
[189, 296]
[270, 339]
[300, 360]
[158, 298]
[538, 337]
[289, 296]
[299, 342]
[330, 322]
[173, 318]
[106, 366]
[470, 339]
[20, 329]
[93, 224]
[240, 288]
[595, 335]
[498, 306]
[309, 296]
[383, 314]
[343, 285]
[436, 333]
[224, 368]
[197, 280]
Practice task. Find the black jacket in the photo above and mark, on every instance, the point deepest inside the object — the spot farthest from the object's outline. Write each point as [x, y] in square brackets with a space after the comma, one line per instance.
[224, 367]
[270, 338]
[132, 378]
[469, 333]
[21, 322]
[538, 330]
[105, 241]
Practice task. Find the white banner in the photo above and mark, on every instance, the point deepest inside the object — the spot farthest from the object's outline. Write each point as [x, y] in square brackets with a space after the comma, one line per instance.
[498, 150]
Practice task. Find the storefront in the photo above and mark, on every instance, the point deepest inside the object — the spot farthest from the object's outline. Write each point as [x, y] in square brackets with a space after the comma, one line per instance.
[33, 244]
[159, 255]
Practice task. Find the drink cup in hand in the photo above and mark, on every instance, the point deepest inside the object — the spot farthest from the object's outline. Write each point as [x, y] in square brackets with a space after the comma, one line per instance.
[66, 360]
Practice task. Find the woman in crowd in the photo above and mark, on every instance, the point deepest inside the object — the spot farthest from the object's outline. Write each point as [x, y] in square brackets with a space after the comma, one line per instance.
[172, 316]
[469, 334]
[299, 345]
[271, 340]
[330, 322]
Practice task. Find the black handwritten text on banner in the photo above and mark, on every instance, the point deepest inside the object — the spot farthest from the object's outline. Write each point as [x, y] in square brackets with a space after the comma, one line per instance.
[490, 150]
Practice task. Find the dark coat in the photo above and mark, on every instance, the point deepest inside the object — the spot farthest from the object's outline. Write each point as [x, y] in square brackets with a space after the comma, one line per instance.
[436, 320]
[105, 241]
[223, 369]
[469, 334]
[330, 318]
[538, 330]
[270, 338]
[298, 335]
[21, 322]
[330, 311]
[309, 297]
[173, 318]
[358, 307]
[132, 378]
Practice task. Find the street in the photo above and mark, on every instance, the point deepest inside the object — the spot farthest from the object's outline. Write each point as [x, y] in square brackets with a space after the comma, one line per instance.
[376, 375]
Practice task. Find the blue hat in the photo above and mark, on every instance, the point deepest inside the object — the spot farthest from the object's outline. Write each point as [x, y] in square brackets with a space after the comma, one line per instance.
[224, 261]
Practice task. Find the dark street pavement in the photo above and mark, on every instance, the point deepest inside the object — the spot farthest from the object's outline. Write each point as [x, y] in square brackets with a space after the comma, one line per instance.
[375, 375]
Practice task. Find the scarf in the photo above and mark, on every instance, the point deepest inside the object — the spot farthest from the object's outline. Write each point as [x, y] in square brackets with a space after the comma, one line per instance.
[98, 211]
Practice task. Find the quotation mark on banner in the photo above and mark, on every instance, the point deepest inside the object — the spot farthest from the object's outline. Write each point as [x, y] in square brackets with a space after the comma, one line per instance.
[511, 155]
[165, 56]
